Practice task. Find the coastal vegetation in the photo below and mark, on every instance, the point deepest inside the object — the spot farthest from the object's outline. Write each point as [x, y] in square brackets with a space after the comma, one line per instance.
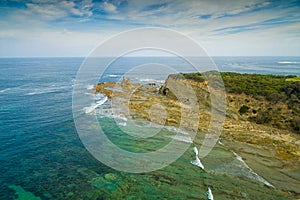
[263, 99]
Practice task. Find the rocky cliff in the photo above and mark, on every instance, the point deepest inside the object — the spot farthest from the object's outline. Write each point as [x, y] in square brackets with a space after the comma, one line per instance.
[262, 99]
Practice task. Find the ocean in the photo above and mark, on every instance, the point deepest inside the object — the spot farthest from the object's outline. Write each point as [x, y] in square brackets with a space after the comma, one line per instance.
[42, 157]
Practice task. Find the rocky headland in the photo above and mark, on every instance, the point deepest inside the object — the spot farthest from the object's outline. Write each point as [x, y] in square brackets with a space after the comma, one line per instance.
[262, 119]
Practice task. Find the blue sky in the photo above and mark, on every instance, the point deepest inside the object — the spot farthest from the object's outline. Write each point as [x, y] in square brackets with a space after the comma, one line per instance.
[222, 27]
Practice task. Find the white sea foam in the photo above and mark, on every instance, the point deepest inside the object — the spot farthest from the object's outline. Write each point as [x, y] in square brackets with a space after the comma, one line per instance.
[1, 91]
[110, 113]
[288, 62]
[46, 90]
[195, 151]
[91, 108]
[238, 157]
[90, 87]
[115, 115]
[113, 75]
[21, 88]
[122, 124]
[254, 174]
[42, 91]
[197, 161]
[90, 94]
[182, 139]
[151, 125]
[150, 80]
[176, 130]
[99, 96]
[209, 194]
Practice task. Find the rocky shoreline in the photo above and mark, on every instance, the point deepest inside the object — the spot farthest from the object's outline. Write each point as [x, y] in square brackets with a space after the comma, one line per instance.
[271, 151]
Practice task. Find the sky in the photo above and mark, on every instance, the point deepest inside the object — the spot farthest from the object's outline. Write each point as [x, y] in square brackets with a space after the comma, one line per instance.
[51, 28]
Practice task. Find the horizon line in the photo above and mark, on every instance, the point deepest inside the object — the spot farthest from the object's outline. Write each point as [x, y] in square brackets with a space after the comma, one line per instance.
[145, 56]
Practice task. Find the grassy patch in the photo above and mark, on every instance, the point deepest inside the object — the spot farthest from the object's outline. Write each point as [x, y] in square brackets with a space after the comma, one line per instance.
[294, 79]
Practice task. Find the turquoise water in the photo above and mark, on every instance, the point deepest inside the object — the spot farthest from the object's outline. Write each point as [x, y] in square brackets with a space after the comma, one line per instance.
[41, 155]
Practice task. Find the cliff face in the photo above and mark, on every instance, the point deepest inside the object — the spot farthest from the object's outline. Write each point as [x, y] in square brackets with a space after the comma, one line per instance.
[176, 85]
[262, 99]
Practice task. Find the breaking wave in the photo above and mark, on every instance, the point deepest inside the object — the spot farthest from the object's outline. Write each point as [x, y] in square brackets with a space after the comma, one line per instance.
[150, 80]
[176, 130]
[254, 176]
[197, 161]
[209, 194]
[288, 62]
[91, 108]
[47, 90]
[4, 90]
[182, 139]
[90, 87]
[113, 75]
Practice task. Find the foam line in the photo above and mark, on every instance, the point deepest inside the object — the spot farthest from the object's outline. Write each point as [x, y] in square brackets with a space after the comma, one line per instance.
[197, 161]
[93, 107]
[288, 62]
[257, 177]
[182, 139]
[209, 194]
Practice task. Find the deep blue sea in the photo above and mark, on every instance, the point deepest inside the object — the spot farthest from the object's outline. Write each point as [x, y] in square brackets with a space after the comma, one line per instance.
[41, 155]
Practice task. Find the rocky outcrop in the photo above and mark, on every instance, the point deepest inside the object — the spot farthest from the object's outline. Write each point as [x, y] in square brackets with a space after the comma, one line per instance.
[186, 103]
[183, 95]
[176, 87]
[262, 99]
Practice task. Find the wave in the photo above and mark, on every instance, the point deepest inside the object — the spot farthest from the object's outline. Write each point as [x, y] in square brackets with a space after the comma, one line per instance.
[4, 90]
[90, 87]
[99, 96]
[150, 124]
[73, 81]
[197, 161]
[90, 94]
[91, 108]
[182, 139]
[110, 113]
[195, 151]
[254, 174]
[150, 80]
[122, 124]
[47, 90]
[113, 75]
[288, 62]
[42, 92]
[121, 117]
[176, 130]
[209, 194]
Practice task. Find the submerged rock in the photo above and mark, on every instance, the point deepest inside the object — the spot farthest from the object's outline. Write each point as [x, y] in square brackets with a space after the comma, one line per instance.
[110, 176]
[23, 194]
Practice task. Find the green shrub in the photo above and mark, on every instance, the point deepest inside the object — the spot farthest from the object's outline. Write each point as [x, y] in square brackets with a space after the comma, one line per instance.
[243, 109]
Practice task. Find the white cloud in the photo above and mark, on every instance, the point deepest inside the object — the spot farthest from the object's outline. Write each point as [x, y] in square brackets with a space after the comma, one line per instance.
[55, 10]
[46, 11]
[47, 42]
[108, 7]
[183, 16]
